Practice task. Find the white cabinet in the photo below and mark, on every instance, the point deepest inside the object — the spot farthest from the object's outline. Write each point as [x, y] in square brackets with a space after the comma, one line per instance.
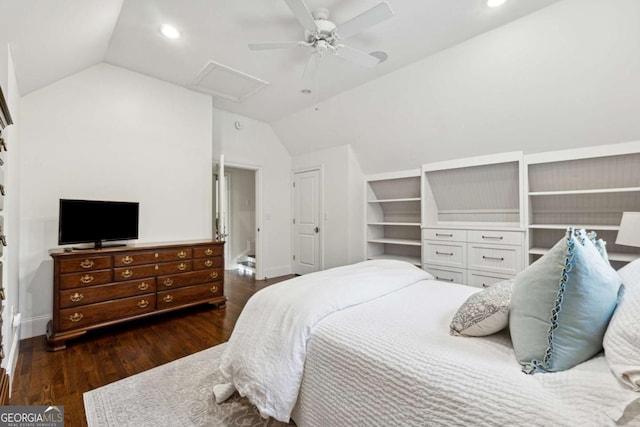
[584, 188]
[393, 216]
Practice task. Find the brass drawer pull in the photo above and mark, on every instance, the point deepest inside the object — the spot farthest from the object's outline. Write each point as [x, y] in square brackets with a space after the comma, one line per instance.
[182, 254]
[156, 268]
[143, 303]
[492, 237]
[127, 260]
[214, 275]
[444, 253]
[167, 298]
[127, 273]
[156, 255]
[209, 251]
[76, 317]
[86, 279]
[208, 263]
[214, 289]
[143, 286]
[77, 297]
[87, 263]
[493, 258]
[168, 282]
[443, 235]
[444, 279]
[182, 266]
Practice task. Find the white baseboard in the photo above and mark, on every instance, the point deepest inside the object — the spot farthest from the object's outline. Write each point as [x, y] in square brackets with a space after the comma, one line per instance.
[14, 352]
[34, 326]
[277, 271]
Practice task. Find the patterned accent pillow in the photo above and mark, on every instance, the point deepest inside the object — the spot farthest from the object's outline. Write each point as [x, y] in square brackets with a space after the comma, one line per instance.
[485, 312]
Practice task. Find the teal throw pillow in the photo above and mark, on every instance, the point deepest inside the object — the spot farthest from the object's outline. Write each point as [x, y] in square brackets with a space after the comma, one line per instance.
[561, 305]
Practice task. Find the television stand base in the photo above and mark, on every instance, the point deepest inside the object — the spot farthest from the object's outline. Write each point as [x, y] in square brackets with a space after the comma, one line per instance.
[100, 246]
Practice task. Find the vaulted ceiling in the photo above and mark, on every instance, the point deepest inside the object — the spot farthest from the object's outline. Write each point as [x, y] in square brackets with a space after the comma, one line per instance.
[52, 39]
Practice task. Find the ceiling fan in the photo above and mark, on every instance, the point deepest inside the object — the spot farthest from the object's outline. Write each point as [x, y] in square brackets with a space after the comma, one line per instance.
[324, 36]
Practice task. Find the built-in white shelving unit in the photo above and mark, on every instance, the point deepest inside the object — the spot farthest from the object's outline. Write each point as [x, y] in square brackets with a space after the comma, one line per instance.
[584, 188]
[393, 216]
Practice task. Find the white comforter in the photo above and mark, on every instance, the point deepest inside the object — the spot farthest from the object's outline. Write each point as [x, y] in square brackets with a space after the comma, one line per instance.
[264, 359]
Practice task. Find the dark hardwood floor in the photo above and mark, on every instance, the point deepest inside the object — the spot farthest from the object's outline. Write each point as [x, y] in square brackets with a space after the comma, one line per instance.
[104, 356]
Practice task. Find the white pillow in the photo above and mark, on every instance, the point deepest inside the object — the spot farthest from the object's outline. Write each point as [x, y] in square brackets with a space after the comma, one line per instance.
[484, 313]
[622, 339]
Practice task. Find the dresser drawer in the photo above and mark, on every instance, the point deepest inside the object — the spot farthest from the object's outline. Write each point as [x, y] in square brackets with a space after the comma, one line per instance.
[446, 274]
[444, 235]
[89, 278]
[189, 294]
[111, 291]
[150, 257]
[207, 251]
[204, 263]
[188, 279]
[80, 317]
[481, 279]
[497, 258]
[449, 254]
[496, 237]
[127, 273]
[85, 264]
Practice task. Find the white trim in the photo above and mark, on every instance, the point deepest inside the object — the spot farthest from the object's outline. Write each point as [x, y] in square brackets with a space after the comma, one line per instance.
[410, 173]
[14, 352]
[320, 169]
[489, 159]
[583, 153]
[34, 326]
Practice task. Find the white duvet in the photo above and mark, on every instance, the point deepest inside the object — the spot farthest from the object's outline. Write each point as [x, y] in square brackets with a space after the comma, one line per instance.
[264, 358]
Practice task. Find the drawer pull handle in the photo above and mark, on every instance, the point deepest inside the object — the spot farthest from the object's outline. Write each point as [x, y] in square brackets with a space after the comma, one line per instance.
[444, 253]
[3, 296]
[87, 263]
[143, 303]
[493, 258]
[143, 286]
[214, 289]
[127, 273]
[168, 298]
[209, 251]
[2, 352]
[443, 235]
[156, 268]
[208, 263]
[182, 254]
[444, 279]
[76, 317]
[3, 240]
[484, 285]
[182, 266]
[77, 297]
[86, 279]
[127, 260]
[156, 255]
[493, 237]
[167, 282]
[214, 275]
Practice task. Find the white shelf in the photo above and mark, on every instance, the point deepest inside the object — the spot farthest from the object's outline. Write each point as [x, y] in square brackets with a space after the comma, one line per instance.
[408, 224]
[565, 226]
[410, 199]
[613, 256]
[413, 260]
[406, 242]
[589, 191]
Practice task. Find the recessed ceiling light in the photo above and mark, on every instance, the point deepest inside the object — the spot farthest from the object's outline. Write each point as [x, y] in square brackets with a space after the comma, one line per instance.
[169, 31]
[495, 3]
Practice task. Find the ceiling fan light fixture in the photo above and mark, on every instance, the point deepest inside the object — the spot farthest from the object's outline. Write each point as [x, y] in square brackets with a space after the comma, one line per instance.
[495, 3]
[169, 31]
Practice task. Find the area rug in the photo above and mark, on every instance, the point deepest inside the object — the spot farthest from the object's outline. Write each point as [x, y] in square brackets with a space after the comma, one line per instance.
[178, 393]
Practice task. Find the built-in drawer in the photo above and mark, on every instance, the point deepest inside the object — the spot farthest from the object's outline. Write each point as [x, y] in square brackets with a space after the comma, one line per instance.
[497, 258]
[446, 274]
[111, 291]
[85, 264]
[482, 279]
[444, 235]
[207, 251]
[449, 254]
[204, 263]
[128, 273]
[188, 279]
[80, 317]
[89, 278]
[496, 237]
[188, 295]
[150, 257]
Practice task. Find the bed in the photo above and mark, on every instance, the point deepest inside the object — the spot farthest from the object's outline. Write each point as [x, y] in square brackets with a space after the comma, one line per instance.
[383, 355]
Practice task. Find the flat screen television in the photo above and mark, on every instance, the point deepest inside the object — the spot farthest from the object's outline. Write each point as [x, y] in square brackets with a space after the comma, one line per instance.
[96, 221]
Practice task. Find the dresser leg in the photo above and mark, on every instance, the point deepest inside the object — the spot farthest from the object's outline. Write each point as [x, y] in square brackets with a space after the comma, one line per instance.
[57, 342]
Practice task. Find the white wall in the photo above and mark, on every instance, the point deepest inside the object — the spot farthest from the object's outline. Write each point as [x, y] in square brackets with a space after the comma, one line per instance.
[342, 203]
[242, 208]
[108, 133]
[256, 145]
[563, 77]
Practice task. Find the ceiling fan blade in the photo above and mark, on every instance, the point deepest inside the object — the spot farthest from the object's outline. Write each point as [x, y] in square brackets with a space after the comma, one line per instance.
[365, 20]
[276, 45]
[302, 14]
[356, 56]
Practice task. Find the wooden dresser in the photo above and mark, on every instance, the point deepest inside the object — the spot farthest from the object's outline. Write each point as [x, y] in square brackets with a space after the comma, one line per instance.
[96, 288]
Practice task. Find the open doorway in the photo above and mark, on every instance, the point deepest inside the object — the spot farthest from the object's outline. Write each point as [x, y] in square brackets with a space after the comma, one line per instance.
[241, 220]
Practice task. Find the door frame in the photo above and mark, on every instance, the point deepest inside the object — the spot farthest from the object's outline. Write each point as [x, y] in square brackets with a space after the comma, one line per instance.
[259, 275]
[320, 169]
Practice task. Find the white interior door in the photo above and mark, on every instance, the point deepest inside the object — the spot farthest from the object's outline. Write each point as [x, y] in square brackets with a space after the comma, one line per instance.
[306, 220]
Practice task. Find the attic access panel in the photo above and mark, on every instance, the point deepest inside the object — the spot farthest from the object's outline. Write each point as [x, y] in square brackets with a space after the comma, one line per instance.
[219, 80]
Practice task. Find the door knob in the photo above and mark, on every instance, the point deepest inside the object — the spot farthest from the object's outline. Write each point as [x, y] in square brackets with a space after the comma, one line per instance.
[316, 229]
